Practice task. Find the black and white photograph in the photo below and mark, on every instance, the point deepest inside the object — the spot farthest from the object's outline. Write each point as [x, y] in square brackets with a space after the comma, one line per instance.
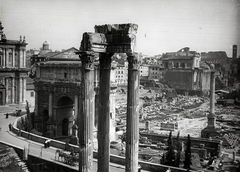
[119, 85]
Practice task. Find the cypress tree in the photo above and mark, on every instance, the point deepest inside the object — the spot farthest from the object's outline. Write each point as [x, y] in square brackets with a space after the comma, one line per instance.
[178, 148]
[170, 155]
[187, 161]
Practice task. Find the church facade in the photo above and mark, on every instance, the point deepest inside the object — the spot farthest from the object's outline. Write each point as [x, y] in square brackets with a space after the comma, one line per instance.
[13, 70]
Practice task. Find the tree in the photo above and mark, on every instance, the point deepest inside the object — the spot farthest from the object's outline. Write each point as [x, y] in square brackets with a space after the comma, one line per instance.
[170, 154]
[178, 148]
[187, 161]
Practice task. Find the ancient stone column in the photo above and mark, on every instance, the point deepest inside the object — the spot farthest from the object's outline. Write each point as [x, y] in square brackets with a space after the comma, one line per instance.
[104, 112]
[212, 92]
[86, 112]
[211, 116]
[132, 135]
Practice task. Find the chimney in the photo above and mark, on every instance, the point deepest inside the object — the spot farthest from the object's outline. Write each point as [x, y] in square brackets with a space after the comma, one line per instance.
[234, 52]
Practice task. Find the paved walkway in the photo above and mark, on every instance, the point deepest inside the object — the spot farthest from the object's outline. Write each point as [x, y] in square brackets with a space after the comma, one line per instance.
[35, 148]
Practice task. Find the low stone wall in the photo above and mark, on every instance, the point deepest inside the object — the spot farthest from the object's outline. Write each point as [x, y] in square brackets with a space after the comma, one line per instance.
[32, 160]
[113, 158]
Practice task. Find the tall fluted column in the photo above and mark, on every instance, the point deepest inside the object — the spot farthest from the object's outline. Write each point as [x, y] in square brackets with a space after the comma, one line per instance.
[132, 135]
[86, 112]
[104, 112]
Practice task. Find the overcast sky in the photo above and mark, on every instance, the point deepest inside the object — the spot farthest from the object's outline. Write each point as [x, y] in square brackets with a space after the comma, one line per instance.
[163, 25]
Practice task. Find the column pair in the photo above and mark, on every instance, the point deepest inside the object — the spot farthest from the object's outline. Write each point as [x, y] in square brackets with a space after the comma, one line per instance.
[132, 135]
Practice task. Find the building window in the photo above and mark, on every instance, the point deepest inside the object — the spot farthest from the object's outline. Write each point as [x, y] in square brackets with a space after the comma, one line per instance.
[182, 65]
[176, 65]
[188, 65]
[32, 94]
[65, 75]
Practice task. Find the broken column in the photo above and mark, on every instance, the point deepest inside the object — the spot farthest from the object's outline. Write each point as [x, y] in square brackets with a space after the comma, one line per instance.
[86, 112]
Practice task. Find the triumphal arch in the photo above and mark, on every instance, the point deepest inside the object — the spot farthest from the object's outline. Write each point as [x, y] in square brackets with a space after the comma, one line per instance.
[107, 40]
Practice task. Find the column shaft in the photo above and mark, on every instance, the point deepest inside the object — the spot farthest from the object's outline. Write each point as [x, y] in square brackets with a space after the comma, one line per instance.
[7, 93]
[132, 135]
[104, 112]
[50, 107]
[212, 92]
[23, 89]
[13, 90]
[86, 113]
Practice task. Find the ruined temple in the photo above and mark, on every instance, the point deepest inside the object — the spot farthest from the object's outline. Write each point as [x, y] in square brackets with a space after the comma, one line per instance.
[68, 96]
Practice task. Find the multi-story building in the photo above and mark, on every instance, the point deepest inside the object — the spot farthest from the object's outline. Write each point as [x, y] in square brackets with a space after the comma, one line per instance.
[121, 74]
[156, 72]
[13, 70]
[144, 71]
[183, 72]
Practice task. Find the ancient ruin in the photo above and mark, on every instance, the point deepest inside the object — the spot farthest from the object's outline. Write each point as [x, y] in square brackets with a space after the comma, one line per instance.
[107, 40]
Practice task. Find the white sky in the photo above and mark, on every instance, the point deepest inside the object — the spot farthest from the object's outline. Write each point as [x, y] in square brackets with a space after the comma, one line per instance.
[163, 25]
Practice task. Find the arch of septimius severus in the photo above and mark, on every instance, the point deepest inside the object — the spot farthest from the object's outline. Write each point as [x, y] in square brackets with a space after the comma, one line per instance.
[107, 40]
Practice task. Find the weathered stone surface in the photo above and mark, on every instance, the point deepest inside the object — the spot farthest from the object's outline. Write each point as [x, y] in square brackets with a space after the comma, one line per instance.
[121, 38]
[93, 42]
[117, 28]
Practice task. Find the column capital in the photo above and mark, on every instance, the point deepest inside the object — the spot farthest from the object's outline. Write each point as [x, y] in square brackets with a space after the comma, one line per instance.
[105, 60]
[87, 58]
[133, 61]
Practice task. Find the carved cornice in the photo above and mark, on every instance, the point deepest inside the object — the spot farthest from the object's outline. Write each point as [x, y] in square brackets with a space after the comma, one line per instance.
[87, 58]
[133, 61]
[105, 60]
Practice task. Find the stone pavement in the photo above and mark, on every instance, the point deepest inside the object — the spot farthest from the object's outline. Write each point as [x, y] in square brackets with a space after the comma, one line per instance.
[34, 148]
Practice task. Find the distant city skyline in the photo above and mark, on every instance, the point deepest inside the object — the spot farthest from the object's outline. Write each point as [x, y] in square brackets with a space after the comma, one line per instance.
[163, 26]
